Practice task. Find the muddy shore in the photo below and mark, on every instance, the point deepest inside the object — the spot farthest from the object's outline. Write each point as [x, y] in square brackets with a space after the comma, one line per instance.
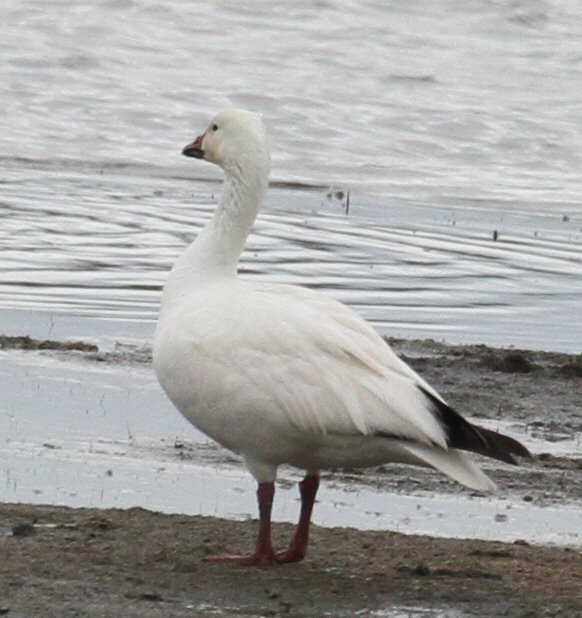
[138, 563]
[86, 562]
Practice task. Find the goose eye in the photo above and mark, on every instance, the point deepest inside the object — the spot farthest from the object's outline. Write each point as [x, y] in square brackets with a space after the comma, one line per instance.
[214, 127]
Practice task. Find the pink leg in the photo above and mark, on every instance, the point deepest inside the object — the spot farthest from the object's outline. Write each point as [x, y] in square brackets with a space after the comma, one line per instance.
[264, 554]
[298, 546]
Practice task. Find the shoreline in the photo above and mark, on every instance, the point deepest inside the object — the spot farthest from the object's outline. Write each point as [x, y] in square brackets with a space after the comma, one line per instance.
[87, 562]
[63, 561]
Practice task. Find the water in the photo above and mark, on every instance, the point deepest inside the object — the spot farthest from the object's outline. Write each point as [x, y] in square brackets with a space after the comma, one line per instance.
[447, 122]
[117, 442]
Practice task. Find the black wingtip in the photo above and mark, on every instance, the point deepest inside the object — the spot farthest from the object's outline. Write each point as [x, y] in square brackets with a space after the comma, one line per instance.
[465, 436]
[500, 446]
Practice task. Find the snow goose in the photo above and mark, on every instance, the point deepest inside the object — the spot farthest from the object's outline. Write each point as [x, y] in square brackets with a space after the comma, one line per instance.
[286, 375]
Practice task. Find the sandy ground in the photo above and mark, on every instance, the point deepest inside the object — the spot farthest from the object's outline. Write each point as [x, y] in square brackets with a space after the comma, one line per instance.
[65, 562]
[138, 563]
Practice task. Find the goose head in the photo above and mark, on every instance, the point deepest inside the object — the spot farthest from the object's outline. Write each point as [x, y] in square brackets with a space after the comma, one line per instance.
[233, 140]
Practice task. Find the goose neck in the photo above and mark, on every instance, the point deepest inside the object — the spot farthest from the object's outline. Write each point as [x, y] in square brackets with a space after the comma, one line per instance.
[226, 234]
[215, 253]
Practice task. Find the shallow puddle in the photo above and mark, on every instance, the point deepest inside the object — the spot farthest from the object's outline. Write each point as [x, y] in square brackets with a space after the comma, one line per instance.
[117, 442]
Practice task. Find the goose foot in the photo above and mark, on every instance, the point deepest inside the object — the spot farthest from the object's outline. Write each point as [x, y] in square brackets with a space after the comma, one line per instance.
[298, 545]
[264, 554]
[256, 559]
[289, 555]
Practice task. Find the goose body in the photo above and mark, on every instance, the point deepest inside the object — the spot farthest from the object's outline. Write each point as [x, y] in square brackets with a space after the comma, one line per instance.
[286, 375]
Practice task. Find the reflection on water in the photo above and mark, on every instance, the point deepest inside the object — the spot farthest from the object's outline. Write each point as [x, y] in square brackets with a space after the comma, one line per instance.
[103, 248]
[449, 123]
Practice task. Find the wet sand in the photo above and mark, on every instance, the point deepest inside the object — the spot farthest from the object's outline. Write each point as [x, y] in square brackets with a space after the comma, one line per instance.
[86, 562]
[138, 563]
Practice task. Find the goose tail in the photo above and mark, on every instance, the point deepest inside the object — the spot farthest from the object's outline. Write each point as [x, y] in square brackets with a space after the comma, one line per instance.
[454, 464]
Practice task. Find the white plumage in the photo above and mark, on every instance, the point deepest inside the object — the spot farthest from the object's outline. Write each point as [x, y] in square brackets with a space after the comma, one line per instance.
[284, 374]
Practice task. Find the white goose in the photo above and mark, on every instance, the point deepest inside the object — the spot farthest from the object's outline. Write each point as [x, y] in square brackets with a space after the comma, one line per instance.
[285, 375]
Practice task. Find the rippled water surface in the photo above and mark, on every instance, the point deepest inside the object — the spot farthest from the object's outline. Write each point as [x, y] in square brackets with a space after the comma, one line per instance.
[451, 124]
